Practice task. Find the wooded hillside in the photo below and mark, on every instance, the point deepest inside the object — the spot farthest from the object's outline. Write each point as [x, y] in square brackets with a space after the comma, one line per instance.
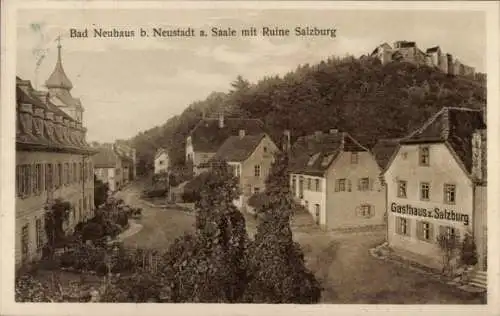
[360, 96]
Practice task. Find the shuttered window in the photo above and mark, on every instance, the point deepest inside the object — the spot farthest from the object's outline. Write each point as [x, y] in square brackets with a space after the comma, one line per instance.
[402, 226]
[48, 176]
[425, 231]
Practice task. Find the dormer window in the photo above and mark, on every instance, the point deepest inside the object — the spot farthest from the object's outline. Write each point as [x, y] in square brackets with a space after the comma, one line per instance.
[424, 156]
[313, 159]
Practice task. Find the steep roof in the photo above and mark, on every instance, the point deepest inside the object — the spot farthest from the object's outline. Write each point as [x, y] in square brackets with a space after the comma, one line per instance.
[58, 78]
[453, 126]
[384, 149]
[313, 154]
[160, 151]
[207, 136]
[237, 148]
[105, 158]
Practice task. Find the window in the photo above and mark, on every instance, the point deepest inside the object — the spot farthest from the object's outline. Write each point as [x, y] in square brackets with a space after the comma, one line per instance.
[161, 162]
[85, 204]
[307, 205]
[402, 226]
[75, 172]
[25, 239]
[424, 156]
[24, 180]
[66, 173]
[80, 172]
[256, 190]
[317, 185]
[424, 231]
[85, 172]
[39, 234]
[265, 149]
[257, 170]
[449, 193]
[294, 185]
[424, 191]
[354, 158]
[309, 184]
[404, 155]
[340, 185]
[326, 160]
[364, 184]
[91, 171]
[37, 179]
[48, 176]
[59, 175]
[401, 188]
[366, 210]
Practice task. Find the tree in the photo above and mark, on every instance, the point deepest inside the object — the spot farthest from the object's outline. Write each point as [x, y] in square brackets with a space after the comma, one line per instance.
[468, 254]
[55, 216]
[100, 192]
[448, 243]
[276, 267]
[209, 266]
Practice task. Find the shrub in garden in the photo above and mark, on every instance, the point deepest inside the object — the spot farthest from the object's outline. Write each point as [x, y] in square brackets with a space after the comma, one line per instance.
[28, 289]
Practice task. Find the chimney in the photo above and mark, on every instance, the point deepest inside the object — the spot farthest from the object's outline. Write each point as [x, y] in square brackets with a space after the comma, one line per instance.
[242, 133]
[221, 120]
[287, 140]
[478, 155]
[333, 131]
[445, 130]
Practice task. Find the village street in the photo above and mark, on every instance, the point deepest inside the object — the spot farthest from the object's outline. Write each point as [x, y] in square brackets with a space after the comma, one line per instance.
[340, 260]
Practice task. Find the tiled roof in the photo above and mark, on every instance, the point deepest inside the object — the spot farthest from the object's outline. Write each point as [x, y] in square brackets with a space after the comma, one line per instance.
[237, 148]
[105, 158]
[313, 154]
[160, 151]
[207, 136]
[384, 149]
[454, 126]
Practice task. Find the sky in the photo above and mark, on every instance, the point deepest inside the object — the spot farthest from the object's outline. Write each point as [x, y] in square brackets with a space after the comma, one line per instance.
[128, 85]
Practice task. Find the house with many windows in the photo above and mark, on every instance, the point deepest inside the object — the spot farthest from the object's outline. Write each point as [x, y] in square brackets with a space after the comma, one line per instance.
[108, 167]
[337, 180]
[53, 161]
[250, 158]
[209, 134]
[436, 184]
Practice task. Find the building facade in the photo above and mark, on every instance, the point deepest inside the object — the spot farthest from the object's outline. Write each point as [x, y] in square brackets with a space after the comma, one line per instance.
[337, 180]
[161, 161]
[53, 162]
[436, 185]
[108, 167]
[209, 134]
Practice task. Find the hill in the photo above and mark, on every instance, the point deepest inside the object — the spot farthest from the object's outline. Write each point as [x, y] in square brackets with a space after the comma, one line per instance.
[360, 96]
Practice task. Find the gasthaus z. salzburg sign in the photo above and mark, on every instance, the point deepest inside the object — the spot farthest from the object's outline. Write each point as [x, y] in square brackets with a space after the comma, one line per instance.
[435, 213]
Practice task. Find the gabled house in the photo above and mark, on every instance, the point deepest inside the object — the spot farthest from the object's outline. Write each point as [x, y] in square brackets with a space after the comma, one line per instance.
[209, 134]
[436, 185]
[108, 167]
[337, 180]
[161, 161]
[250, 158]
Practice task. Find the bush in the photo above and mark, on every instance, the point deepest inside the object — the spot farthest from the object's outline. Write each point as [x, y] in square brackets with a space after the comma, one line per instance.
[92, 231]
[257, 200]
[28, 289]
[122, 219]
[468, 254]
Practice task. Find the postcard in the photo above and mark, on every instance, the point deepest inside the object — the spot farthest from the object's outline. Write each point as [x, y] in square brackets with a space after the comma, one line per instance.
[249, 157]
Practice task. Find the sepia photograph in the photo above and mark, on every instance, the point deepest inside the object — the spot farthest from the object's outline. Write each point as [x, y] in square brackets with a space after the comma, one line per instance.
[249, 155]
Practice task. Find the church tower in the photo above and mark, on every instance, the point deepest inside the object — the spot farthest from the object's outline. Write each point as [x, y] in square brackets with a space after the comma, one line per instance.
[59, 87]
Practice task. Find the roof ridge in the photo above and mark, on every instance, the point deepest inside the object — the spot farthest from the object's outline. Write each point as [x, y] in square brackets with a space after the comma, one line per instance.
[427, 123]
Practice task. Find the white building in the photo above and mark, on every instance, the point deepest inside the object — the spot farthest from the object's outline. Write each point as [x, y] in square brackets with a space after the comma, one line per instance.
[436, 184]
[161, 161]
[337, 180]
